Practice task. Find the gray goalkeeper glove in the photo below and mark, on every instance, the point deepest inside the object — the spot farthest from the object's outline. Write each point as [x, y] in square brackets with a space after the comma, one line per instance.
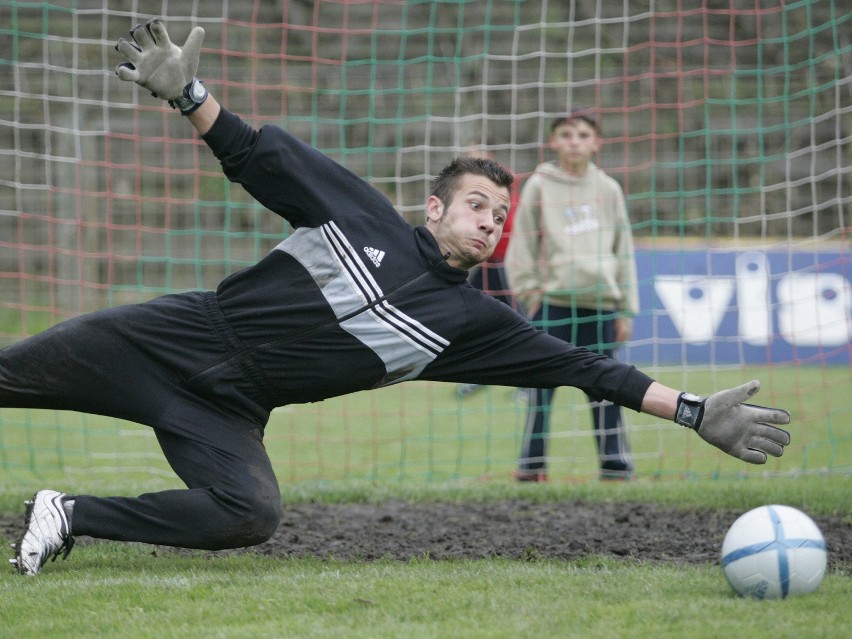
[166, 70]
[742, 430]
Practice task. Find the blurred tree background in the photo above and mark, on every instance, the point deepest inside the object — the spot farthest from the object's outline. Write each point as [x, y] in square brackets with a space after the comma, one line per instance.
[727, 120]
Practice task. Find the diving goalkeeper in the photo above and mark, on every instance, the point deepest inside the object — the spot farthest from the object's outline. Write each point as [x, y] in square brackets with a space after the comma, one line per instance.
[354, 299]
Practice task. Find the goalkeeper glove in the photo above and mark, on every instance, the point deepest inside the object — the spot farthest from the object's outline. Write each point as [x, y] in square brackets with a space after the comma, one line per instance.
[166, 70]
[742, 430]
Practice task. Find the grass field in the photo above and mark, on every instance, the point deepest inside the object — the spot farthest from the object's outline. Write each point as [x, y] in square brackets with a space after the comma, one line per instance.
[247, 597]
[416, 442]
[419, 431]
[109, 589]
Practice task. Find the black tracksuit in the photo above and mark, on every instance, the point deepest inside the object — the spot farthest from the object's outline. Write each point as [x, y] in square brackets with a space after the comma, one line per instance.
[355, 298]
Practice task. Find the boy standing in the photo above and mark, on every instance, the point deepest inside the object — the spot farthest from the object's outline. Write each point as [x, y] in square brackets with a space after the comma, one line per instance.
[570, 263]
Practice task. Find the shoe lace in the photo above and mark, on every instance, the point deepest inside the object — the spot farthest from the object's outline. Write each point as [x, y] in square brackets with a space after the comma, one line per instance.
[64, 548]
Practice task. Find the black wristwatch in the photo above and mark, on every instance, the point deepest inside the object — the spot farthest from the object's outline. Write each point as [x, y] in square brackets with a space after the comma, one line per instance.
[194, 95]
[690, 410]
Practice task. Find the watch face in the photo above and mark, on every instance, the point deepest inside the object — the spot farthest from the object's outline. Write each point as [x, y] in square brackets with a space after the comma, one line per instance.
[198, 90]
[687, 415]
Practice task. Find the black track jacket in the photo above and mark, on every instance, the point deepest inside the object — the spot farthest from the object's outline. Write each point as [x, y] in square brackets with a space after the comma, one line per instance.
[357, 298]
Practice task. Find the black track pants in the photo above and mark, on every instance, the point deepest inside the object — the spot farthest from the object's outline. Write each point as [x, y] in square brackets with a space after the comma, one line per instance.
[170, 364]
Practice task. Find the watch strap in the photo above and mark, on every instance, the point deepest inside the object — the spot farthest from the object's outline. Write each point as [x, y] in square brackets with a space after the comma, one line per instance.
[194, 95]
[690, 410]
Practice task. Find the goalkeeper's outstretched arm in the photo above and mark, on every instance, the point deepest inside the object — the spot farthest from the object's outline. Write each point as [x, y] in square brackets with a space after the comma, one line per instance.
[745, 431]
[723, 419]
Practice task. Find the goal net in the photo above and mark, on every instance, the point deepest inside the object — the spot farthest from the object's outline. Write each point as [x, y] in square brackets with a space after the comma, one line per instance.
[728, 124]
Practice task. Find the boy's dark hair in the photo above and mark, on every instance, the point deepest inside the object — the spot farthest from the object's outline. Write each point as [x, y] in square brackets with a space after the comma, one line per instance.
[446, 183]
[585, 114]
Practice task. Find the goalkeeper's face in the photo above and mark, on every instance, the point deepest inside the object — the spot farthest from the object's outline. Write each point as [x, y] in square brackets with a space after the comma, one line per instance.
[468, 228]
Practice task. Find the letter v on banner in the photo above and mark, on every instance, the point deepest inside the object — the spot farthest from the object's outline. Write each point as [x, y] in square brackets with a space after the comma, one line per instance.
[695, 304]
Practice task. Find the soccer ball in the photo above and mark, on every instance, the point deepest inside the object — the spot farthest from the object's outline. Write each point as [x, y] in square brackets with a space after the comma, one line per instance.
[774, 552]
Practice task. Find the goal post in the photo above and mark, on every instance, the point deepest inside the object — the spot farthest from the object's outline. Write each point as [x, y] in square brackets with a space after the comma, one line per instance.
[728, 126]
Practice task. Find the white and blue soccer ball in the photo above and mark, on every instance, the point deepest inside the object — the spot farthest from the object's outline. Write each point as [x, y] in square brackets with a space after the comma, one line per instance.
[774, 552]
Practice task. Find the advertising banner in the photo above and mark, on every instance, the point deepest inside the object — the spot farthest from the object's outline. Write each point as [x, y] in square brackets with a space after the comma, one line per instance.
[742, 307]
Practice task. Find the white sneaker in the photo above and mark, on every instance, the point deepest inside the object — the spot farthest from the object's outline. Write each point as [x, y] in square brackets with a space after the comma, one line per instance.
[47, 533]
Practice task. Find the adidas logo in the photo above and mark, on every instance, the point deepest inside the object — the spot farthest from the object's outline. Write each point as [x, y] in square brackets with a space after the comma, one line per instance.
[375, 255]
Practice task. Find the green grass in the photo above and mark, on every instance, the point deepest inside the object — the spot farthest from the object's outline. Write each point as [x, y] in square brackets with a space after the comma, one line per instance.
[416, 442]
[110, 589]
[420, 432]
[824, 495]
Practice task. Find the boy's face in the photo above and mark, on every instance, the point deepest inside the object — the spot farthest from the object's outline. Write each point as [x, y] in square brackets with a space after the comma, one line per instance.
[574, 142]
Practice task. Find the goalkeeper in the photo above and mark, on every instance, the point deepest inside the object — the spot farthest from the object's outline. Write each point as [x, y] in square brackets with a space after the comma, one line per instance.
[354, 299]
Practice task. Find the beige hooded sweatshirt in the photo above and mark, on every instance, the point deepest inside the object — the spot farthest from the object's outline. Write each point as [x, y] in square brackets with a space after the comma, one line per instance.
[571, 242]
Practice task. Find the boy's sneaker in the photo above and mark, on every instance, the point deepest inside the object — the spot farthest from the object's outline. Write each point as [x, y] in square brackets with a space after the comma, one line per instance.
[47, 533]
[539, 476]
[608, 474]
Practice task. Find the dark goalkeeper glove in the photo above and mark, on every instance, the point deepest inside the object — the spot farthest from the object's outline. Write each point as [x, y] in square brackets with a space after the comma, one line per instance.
[742, 430]
[157, 64]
